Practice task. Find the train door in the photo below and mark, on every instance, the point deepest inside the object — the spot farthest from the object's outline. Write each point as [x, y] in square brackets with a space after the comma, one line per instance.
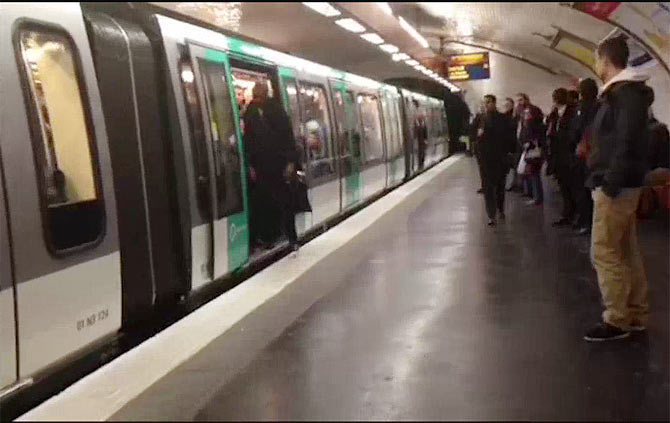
[228, 225]
[7, 320]
[59, 189]
[290, 88]
[349, 141]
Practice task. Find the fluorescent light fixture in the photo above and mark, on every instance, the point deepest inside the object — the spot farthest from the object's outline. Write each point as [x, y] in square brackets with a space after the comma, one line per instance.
[385, 7]
[389, 48]
[372, 38]
[350, 25]
[413, 32]
[418, 67]
[399, 56]
[324, 8]
[412, 62]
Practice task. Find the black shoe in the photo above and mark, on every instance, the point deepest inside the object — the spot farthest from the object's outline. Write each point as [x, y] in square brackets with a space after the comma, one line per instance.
[605, 332]
[480, 191]
[491, 222]
[561, 222]
[510, 189]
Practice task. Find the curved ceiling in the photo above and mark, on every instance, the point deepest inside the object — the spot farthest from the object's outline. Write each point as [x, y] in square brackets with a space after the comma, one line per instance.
[530, 30]
[557, 37]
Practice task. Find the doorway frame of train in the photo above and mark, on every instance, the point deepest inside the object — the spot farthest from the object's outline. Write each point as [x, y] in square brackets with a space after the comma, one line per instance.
[351, 184]
[231, 230]
[290, 76]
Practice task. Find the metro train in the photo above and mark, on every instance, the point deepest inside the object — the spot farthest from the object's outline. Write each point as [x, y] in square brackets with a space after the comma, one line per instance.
[123, 170]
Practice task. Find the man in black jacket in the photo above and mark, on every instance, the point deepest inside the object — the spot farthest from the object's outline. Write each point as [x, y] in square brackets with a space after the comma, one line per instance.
[582, 134]
[562, 148]
[618, 164]
[272, 154]
[495, 142]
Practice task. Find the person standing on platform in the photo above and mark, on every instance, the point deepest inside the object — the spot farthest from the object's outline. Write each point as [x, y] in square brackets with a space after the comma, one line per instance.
[583, 134]
[476, 124]
[522, 184]
[618, 164]
[562, 151]
[496, 142]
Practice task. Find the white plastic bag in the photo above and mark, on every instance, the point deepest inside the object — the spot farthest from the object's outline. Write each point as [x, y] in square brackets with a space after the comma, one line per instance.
[521, 168]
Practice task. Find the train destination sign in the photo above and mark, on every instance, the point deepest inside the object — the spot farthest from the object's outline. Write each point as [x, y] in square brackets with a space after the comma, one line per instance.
[466, 67]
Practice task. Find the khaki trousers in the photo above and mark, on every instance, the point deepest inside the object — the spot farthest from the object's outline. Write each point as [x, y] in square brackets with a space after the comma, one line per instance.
[616, 257]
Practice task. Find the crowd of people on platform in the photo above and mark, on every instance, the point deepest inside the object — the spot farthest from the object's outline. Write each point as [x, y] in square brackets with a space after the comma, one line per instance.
[606, 152]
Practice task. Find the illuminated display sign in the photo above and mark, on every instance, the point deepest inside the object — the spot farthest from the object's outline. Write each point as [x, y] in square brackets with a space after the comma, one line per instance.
[466, 67]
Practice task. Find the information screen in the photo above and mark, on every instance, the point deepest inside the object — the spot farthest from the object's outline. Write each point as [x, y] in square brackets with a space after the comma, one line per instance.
[466, 67]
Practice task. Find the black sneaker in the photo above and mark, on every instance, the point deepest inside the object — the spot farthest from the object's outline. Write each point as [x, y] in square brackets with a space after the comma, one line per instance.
[480, 191]
[491, 222]
[605, 332]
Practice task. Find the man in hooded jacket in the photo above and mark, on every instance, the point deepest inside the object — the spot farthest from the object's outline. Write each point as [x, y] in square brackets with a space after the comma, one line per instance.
[618, 164]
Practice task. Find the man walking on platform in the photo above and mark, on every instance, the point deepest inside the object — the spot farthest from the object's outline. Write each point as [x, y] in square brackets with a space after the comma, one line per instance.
[496, 141]
[618, 164]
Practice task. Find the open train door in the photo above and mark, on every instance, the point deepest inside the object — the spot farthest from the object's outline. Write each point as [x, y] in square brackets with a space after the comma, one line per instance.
[229, 218]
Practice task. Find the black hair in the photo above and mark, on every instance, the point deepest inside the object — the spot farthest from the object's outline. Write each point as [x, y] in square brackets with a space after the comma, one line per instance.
[490, 97]
[560, 96]
[588, 89]
[510, 100]
[616, 50]
[524, 96]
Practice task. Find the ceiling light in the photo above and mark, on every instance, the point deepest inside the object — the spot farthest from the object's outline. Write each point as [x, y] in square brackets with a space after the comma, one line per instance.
[350, 25]
[389, 48]
[385, 7]
[410, 29]
[418, 67]
[412, 62]
[324, 8]
[399, 56]
[373, 38]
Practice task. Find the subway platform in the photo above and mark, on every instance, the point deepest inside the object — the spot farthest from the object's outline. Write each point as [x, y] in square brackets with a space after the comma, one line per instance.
[426, 314]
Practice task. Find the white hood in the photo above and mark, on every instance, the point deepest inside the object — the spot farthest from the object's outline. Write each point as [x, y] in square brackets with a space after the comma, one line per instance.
[628, 74]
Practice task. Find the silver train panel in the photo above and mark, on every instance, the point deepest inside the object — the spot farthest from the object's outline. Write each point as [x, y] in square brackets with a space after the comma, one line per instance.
[53, 294]
[7, 322]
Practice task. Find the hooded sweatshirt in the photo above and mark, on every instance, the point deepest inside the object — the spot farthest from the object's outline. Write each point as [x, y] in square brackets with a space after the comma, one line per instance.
[620, 133]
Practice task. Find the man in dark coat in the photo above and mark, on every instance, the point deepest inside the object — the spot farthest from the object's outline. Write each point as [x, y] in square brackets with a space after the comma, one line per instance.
[495, 143]
[582, 134]
[271, 150]
[618, 164]
[474, 141]
[562, 147]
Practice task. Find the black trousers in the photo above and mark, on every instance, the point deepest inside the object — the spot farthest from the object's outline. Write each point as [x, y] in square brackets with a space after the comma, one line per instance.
[583, 198]
[288, 223]
[566, 183]
[494, 193]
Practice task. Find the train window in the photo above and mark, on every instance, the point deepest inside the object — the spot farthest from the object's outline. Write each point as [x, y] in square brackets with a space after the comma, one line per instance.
[316, 120]
[198, 139]
[372, 131]
[293, 106]
[69, 180]
[396, 134]
[227, 164]
[341, 122]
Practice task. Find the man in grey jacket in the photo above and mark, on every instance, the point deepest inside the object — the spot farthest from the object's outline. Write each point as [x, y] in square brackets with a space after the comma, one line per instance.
[618, 164]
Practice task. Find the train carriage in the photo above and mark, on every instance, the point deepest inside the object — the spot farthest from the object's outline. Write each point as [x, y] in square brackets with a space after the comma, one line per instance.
[124, 172]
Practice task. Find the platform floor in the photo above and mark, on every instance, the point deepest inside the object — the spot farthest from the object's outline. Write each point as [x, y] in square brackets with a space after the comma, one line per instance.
[440, 317]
